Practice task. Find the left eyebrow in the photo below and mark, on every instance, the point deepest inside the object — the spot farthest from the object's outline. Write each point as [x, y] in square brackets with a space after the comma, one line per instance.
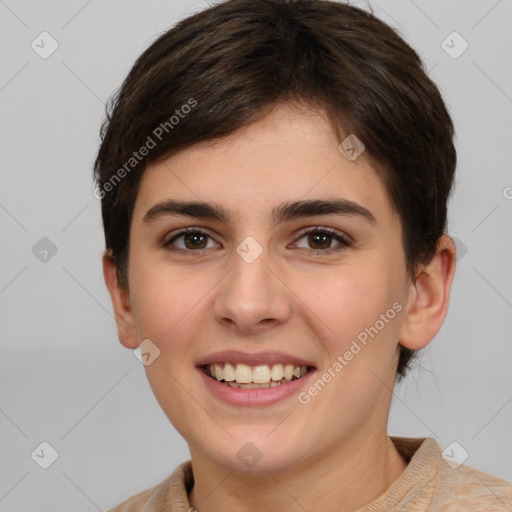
[284, 212]
[298, 209]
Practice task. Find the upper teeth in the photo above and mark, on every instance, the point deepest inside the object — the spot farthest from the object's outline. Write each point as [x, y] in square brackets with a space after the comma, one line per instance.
[261, 374]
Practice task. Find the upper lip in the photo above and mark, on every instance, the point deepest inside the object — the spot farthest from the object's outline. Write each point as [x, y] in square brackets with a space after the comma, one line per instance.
[253, 359]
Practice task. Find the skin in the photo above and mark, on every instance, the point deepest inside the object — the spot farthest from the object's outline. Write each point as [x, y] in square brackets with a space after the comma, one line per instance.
[293, 298]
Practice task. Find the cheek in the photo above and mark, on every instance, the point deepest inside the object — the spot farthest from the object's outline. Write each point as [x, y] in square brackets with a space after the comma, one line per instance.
[156, 300]
[361, 310]
[348, 300]
[170, 305]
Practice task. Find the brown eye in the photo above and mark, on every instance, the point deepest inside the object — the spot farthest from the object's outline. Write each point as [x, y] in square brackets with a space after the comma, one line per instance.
[196, 240]
[193, 240]
[320, 240]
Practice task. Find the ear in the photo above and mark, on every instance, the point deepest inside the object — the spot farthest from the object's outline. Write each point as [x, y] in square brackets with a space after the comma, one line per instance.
[126, 330]
[429, 296]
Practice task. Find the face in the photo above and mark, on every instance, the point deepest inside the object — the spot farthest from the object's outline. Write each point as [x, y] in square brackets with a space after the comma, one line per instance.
[317, 289]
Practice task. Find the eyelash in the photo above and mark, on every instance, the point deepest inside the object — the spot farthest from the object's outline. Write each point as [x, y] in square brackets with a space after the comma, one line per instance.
[344, 241]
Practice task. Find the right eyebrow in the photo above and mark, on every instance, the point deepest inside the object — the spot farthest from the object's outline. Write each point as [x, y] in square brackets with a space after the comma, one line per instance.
[194, 209]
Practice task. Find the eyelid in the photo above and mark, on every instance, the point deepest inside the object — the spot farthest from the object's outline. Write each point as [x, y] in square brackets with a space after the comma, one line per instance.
[183, 231]
[331, 231]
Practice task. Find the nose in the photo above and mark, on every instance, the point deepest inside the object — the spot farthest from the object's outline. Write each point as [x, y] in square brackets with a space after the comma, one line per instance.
[253, 296]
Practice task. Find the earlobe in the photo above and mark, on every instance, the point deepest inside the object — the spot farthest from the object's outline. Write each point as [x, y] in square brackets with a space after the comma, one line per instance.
[429, 298]
[120, 297]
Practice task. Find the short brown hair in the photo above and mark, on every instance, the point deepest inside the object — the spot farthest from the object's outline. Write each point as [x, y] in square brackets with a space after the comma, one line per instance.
[237, 59]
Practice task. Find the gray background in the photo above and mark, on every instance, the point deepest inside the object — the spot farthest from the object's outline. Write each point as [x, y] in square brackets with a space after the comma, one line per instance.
[64, 377]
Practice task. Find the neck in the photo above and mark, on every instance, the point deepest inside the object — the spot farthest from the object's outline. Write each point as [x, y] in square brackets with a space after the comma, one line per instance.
[345, 479]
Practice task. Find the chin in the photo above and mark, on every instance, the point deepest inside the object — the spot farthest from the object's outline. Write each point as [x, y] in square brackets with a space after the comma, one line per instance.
[257, 453]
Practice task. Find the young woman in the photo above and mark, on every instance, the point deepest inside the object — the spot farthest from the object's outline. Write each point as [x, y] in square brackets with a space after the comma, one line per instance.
[274, 178]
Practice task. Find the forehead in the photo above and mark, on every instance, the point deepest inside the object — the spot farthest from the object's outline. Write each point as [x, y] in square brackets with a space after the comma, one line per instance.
[287, 156]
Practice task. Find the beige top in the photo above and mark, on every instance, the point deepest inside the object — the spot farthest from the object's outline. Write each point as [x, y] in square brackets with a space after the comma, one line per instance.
[428, 483]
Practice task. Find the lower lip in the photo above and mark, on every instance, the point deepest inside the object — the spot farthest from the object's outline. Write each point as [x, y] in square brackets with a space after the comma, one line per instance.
[253, 397]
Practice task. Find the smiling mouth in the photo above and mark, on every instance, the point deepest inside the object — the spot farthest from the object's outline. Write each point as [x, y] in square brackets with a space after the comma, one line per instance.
[264, 376]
